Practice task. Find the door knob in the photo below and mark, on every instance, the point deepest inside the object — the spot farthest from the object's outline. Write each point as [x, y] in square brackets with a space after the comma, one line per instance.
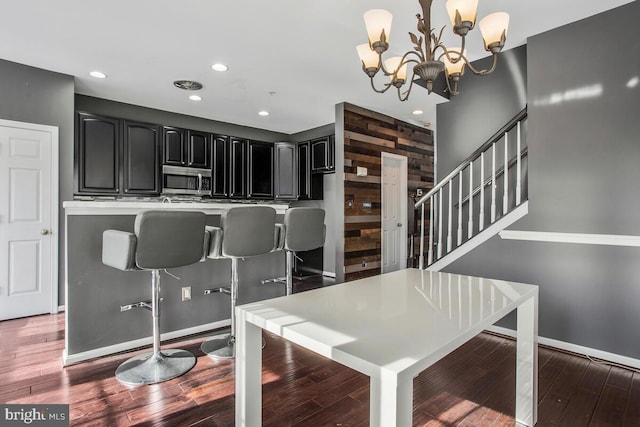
[44, 231]
[399, 224]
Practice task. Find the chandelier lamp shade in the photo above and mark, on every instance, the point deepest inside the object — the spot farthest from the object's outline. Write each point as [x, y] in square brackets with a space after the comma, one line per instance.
[429, 56]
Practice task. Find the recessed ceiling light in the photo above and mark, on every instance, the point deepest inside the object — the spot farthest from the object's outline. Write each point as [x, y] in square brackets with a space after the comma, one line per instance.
[98, 74]
[195, 98]
[417, 112]
[219, 67]
[263, 113]
[633, 82]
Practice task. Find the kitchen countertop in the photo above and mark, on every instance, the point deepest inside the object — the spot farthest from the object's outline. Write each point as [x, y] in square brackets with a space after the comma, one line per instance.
[132, 207]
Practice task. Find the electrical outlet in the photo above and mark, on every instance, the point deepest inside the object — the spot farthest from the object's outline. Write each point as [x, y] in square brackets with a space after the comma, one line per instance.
[419, 192]
[364, 262]
[186, 293]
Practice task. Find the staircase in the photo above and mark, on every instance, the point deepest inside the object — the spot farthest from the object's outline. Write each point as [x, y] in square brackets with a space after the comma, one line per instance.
[482, 196]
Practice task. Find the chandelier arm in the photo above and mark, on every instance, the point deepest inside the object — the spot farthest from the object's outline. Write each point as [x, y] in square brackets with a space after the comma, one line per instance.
[402, 62]
[375, 89]
[485, 71]
[407, 91]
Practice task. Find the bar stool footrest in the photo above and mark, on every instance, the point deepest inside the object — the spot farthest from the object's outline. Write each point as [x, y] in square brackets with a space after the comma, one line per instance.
[141, 304]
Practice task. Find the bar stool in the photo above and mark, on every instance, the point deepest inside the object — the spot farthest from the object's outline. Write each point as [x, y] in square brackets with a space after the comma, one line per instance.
[244, 232]
[304, 230]
[161, 240]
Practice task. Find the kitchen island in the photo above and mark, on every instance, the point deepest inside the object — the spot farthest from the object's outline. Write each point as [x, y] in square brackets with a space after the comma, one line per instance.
[96, 327]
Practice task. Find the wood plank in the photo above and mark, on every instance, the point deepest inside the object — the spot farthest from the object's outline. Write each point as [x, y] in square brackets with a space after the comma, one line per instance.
[352, 136]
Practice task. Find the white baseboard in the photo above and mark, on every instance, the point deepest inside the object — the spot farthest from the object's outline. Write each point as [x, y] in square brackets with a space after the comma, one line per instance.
[68, 359]
[574, 348]
[329, 274]
[579, 238]
[61, 308]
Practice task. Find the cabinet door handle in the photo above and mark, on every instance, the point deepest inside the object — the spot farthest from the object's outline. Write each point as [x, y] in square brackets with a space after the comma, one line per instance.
[199, 182]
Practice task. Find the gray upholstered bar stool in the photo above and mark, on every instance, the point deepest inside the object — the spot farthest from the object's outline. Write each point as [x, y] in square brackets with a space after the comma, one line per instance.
[304, 230]
[161, 240]
[244, 232]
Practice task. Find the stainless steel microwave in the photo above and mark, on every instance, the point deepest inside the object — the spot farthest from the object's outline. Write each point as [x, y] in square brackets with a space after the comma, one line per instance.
[183, 180]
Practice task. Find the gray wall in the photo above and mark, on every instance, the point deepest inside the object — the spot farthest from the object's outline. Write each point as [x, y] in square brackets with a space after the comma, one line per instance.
[484, 105]
[38, 96]
[583, 172]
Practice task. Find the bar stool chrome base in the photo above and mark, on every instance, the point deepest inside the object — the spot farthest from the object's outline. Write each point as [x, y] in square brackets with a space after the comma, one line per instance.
[222, 346]
[151, 368]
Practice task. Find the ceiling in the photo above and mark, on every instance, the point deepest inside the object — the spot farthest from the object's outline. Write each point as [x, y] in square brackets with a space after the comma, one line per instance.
[293, 58]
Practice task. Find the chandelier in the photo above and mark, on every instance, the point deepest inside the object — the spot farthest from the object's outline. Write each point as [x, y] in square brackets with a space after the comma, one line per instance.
[429, 55]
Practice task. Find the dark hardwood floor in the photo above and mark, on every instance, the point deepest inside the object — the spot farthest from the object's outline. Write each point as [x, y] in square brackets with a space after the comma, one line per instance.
[474, 386]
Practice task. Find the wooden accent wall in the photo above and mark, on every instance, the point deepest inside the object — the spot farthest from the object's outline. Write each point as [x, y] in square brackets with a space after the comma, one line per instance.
[366, 135]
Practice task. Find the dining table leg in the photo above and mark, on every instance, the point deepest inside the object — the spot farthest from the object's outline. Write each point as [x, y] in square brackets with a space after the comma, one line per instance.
[391, 400]
[527, 362]
[248, 348]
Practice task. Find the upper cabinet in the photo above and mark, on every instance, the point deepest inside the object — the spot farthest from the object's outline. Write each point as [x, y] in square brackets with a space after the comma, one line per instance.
[141, 158]
[304, 171]
[198, 149]
[175, 147]
[286, 165]
[260, 169]
[323, 154]
[238, 168]
[220, 166]
[97, 153]
[186, 148]
[116, 157]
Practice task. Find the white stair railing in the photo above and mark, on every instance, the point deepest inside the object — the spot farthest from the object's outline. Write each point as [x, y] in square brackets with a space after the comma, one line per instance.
[460, 183]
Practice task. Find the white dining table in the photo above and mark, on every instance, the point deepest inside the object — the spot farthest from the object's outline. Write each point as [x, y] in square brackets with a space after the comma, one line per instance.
[389, 327]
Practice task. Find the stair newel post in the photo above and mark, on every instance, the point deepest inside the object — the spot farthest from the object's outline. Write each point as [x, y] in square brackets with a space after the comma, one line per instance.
[439, 223]
[493, 182]
[505, 175]
[470, 226]
[518, 168]
[421, 265]
[450, 218]
[431, 230]
[481, 215]
[460, 207]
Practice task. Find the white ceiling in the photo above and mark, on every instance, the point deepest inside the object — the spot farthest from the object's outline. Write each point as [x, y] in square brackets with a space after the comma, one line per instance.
[304, 51]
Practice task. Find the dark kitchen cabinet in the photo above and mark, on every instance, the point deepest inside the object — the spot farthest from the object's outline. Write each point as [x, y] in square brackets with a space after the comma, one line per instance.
[323, 154]
[238, 168]
[97, 155]
[304, 171]
[175, 148]
[260, 169]
[186, 148]
[220, 166]
[286, 169]
[310, 186]
[198, 149]
[141, 158]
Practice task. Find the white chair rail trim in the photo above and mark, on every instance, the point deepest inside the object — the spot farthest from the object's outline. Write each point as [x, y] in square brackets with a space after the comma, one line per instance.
[579, 238]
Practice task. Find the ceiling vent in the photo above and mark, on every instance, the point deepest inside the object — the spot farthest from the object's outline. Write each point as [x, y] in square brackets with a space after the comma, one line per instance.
[187, 84]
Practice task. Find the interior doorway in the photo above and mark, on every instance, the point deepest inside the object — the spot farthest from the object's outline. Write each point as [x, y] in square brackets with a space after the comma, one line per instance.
[28, 219]
[394, 212]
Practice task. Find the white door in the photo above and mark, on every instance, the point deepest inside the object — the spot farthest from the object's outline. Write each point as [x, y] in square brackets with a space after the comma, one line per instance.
[394, 212]
[28, 219]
